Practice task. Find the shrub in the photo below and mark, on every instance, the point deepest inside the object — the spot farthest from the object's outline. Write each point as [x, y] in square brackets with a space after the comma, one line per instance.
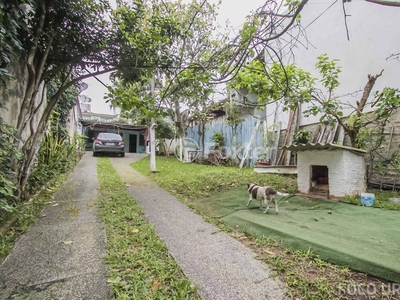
[56, 155]
[218, 139]
[302, 136]
[8, 154]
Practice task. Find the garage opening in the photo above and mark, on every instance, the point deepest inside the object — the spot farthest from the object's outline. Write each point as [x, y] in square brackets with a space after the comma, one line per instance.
[133, 143]
[319, 181]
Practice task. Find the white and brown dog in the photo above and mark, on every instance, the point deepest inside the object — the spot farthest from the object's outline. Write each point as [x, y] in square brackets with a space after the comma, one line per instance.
[264, 194]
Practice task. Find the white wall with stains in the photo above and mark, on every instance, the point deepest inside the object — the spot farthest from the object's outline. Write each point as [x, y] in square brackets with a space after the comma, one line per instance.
[346, 171]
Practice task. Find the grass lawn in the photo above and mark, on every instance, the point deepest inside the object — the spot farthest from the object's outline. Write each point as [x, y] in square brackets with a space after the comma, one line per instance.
[306, 275]
[192, 181]
[140, 264]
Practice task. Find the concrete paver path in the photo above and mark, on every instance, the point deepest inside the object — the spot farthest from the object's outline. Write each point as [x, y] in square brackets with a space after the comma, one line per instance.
[62, 255]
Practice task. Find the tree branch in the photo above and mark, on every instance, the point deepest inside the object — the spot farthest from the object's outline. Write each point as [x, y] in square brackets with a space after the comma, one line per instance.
[298, 10]
[385, 3]
[40, 69]
[367, 91]
[31, 84]
[345, 20]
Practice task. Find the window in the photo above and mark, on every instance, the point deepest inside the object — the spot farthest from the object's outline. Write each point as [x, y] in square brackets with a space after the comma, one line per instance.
[109, 136]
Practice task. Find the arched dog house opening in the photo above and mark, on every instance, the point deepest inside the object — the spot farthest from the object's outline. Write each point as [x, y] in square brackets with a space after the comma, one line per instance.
[329, 169]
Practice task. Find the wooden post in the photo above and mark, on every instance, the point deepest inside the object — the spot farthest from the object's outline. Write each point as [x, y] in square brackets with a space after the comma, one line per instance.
[387, 156]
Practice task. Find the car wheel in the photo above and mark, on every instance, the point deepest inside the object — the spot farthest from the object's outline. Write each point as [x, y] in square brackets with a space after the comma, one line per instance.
[122, 154]
[94, 153]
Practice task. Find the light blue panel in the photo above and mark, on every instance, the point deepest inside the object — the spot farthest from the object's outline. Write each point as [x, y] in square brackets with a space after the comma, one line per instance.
[125, 137]
[244, 132]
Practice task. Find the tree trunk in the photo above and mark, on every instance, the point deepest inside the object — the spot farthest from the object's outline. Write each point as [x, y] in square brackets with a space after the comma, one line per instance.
[353, 138]
[367, 91]
[31, 146]
[200, 132]
[166, 148]
[203, 146]
[234, 142]
[179, 127]
[33, 82]
[352, 132]
[385, 3]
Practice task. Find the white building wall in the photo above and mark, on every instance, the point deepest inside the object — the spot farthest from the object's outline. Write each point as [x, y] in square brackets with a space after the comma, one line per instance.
[354, 171]
[346, 171]
[74, 126]
[13, 96]
[373, 38]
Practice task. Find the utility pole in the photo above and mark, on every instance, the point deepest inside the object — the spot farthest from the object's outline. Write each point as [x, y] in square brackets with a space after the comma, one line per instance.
[153, 125]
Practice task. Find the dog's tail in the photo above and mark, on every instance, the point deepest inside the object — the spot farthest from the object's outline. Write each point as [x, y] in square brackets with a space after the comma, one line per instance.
[282, 194]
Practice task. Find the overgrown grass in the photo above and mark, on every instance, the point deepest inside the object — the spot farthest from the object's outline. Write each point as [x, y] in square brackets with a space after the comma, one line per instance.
[18, 221]
[306, 276]
[191, 181]
[140, 264]
[309, 277]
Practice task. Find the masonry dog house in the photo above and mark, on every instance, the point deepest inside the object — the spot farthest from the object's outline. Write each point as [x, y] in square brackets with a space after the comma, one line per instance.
[334, 169]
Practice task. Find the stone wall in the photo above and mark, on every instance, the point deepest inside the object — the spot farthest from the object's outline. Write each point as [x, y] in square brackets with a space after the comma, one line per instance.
[13, 94]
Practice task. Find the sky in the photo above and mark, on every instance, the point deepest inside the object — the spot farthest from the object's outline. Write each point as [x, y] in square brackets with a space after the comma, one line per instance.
[235, 11]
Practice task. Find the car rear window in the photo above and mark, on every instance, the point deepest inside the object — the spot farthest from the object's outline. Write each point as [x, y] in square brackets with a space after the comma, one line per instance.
[109, 136]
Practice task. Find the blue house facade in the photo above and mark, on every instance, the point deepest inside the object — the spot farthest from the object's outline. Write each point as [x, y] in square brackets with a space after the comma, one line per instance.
[249, 131]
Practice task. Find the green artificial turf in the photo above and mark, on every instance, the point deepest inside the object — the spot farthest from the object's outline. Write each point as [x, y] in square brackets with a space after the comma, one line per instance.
[365, 239]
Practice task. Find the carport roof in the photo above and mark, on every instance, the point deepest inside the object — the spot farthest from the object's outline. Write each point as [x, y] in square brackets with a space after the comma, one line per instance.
[97, 124]
[318, 146]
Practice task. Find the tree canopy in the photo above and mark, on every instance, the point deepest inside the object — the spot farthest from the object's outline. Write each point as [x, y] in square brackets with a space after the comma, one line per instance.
[70, 41]
[199, 57]
[294, 87]
[74, 40]
[278, 82]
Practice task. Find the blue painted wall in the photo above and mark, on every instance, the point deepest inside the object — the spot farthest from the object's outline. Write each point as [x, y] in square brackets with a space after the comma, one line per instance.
[244, 132]
[125, 137]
